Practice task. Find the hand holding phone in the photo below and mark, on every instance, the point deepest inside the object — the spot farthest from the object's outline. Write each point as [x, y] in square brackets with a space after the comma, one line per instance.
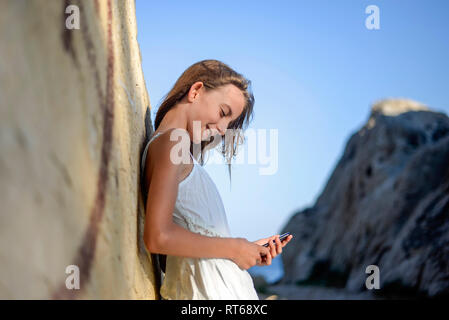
[281, 238]
[275, 249]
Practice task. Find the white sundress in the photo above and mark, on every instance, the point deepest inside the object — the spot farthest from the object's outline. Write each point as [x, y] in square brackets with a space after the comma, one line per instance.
[199, 208]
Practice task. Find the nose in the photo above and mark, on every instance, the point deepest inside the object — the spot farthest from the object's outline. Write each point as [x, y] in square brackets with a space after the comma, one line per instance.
[220, 128]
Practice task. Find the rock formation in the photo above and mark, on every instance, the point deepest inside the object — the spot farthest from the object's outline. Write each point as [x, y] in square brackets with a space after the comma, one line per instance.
[72, 104]
[385, 204]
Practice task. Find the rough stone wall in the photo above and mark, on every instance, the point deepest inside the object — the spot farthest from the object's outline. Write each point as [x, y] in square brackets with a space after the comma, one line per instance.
[72, 109]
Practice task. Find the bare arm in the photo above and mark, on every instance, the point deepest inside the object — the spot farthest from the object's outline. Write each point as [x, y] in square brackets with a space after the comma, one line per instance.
[162, 235]
[182, 242]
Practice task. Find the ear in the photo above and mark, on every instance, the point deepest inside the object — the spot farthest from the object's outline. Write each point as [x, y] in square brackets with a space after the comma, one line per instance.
[195, 89]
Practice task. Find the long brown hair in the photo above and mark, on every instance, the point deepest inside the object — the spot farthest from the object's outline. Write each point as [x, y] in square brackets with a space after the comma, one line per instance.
[213, 74]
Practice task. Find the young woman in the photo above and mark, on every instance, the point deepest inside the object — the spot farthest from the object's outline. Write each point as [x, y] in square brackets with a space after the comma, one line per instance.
[185, 217]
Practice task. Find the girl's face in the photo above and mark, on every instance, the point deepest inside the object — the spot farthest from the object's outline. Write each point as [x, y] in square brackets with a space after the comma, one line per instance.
[215, 109]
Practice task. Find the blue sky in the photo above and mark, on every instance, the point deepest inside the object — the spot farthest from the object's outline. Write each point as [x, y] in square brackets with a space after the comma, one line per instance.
[315, 70]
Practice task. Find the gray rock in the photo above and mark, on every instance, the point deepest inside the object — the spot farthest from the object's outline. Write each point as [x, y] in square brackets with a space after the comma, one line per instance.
[386, 204]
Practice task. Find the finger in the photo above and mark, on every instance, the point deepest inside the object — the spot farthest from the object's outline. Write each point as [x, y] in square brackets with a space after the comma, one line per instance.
[278, 245]
[268, 259]
[261, 241]
[272, 248]
[264, 260]
[284, 243]
[264, 251]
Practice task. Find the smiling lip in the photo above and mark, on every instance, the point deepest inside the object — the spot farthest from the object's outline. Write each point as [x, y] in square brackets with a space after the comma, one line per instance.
[206, 133]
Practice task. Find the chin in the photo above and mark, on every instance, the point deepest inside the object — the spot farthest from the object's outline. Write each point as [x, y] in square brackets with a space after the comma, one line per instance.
[205, 135]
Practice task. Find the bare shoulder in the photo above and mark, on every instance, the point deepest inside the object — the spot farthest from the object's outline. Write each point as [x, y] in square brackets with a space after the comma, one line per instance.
[159, 151]
[160, 157]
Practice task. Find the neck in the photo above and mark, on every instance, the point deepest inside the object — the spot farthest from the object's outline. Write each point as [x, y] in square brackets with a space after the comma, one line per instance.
[174, 118]
[177, 118]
